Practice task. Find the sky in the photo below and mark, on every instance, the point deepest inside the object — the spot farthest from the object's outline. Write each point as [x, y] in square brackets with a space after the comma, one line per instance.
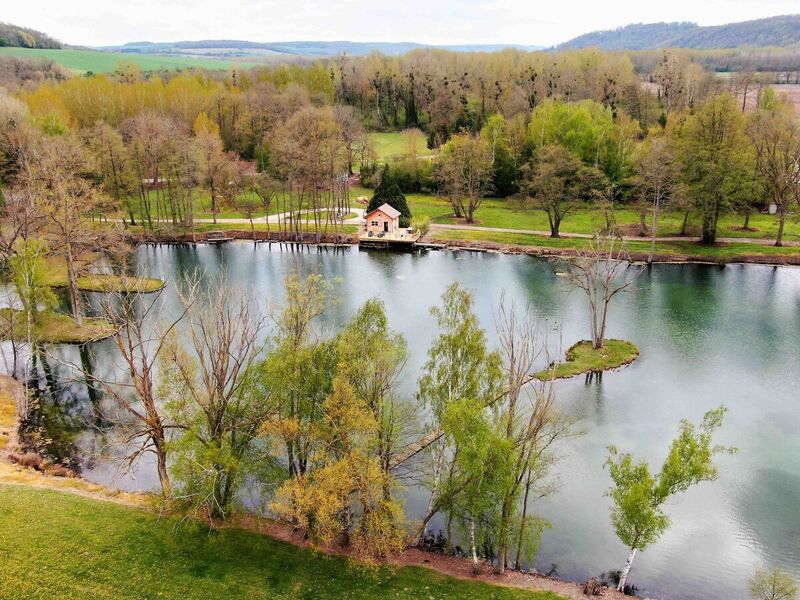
[531, 22]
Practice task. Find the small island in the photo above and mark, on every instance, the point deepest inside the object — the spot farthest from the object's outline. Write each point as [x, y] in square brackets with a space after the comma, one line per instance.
[51, 327]
[583, 357]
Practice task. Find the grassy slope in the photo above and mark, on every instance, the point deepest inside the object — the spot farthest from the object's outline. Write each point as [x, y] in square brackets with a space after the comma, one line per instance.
[82, 61]
[81, 548]
[392, 146]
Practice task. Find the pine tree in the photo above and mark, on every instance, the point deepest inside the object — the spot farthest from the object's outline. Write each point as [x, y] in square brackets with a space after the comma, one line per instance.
[388, 192]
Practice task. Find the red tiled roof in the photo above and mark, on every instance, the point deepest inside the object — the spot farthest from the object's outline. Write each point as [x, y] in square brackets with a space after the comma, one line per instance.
[389, 211]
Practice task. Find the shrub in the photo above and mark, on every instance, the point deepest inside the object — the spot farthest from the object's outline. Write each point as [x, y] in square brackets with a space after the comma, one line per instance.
[413, 176]
[422, 224]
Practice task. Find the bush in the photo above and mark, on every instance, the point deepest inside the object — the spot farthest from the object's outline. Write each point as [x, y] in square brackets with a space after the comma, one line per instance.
[369, 175]
[422, 224]
[413, 177]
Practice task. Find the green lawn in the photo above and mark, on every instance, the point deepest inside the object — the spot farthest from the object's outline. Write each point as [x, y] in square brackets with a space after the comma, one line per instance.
[56, 545]
[392, 146]
[96, 61]
[719, 252]
[511, 214]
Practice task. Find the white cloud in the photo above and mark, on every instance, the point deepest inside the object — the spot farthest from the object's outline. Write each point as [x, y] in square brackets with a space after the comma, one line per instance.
[99, 22]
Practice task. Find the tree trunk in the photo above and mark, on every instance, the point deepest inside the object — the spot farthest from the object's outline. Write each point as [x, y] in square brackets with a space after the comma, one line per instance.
[72, 282]
[781, 222]
[746, 226]
[685, 223]
[521, 535]
[654, 233]
[163, 474]
[709, 229]
[623, 578]
[642, 223]
[475, 565]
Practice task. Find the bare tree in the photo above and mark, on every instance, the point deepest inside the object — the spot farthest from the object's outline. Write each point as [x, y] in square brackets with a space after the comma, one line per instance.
[141, 335]
[530, 422]
[214, 392]
[601, 272]
[66, 199]
[658, 175]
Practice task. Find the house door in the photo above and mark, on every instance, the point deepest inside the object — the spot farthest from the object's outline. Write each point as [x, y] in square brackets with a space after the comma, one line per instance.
[386, 226]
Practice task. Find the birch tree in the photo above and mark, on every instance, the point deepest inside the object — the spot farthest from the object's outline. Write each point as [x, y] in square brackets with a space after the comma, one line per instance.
[143, 329]
[459, 367]
[639, 496]
[528, 423]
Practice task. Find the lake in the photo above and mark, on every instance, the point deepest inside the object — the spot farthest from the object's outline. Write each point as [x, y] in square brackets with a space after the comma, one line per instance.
[708, 336]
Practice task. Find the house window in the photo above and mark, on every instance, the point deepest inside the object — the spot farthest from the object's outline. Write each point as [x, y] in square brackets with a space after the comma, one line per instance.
[374, 223]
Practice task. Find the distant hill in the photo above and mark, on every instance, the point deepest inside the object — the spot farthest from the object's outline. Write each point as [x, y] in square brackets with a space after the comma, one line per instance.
[22, 37]
[246, 49]
[773, 31]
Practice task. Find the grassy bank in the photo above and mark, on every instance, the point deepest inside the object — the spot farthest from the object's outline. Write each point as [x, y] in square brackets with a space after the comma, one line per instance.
[583, 358]
[55, 545]
[722, 252]
[53, 328]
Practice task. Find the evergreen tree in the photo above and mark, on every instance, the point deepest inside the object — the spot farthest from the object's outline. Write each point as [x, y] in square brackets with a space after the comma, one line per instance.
[388, 192]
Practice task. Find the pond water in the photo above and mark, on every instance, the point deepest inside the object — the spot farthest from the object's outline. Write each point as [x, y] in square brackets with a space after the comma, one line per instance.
[708, 336]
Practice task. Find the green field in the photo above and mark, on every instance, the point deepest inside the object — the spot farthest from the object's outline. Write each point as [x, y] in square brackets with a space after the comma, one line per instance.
[717, 253]
[81, 61]
[510, 214]
[392, 146]
[56, 545]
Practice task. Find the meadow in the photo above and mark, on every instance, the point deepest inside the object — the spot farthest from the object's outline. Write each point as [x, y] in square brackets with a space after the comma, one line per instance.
[81, 548]
[84, 61]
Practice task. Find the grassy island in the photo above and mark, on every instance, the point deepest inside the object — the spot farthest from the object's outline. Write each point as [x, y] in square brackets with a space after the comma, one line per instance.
[103, 282]
[82, 548]
[54, 328]
[583, 358]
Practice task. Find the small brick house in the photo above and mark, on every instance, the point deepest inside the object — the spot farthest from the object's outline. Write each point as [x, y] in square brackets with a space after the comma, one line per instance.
[384, 219]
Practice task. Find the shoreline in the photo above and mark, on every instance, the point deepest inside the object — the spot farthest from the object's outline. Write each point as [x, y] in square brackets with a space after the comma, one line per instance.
[14, 474]
[350, 240]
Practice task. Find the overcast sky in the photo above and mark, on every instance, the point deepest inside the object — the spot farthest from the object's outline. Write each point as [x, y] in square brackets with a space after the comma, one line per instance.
[542, 22]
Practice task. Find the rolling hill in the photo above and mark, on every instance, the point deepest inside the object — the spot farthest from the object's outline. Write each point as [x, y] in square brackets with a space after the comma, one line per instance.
[773, 31]
[23, 37]
[303, 49]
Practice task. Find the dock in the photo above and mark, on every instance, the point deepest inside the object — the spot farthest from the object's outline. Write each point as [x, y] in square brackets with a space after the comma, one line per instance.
[217, 238]
[398, 239]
